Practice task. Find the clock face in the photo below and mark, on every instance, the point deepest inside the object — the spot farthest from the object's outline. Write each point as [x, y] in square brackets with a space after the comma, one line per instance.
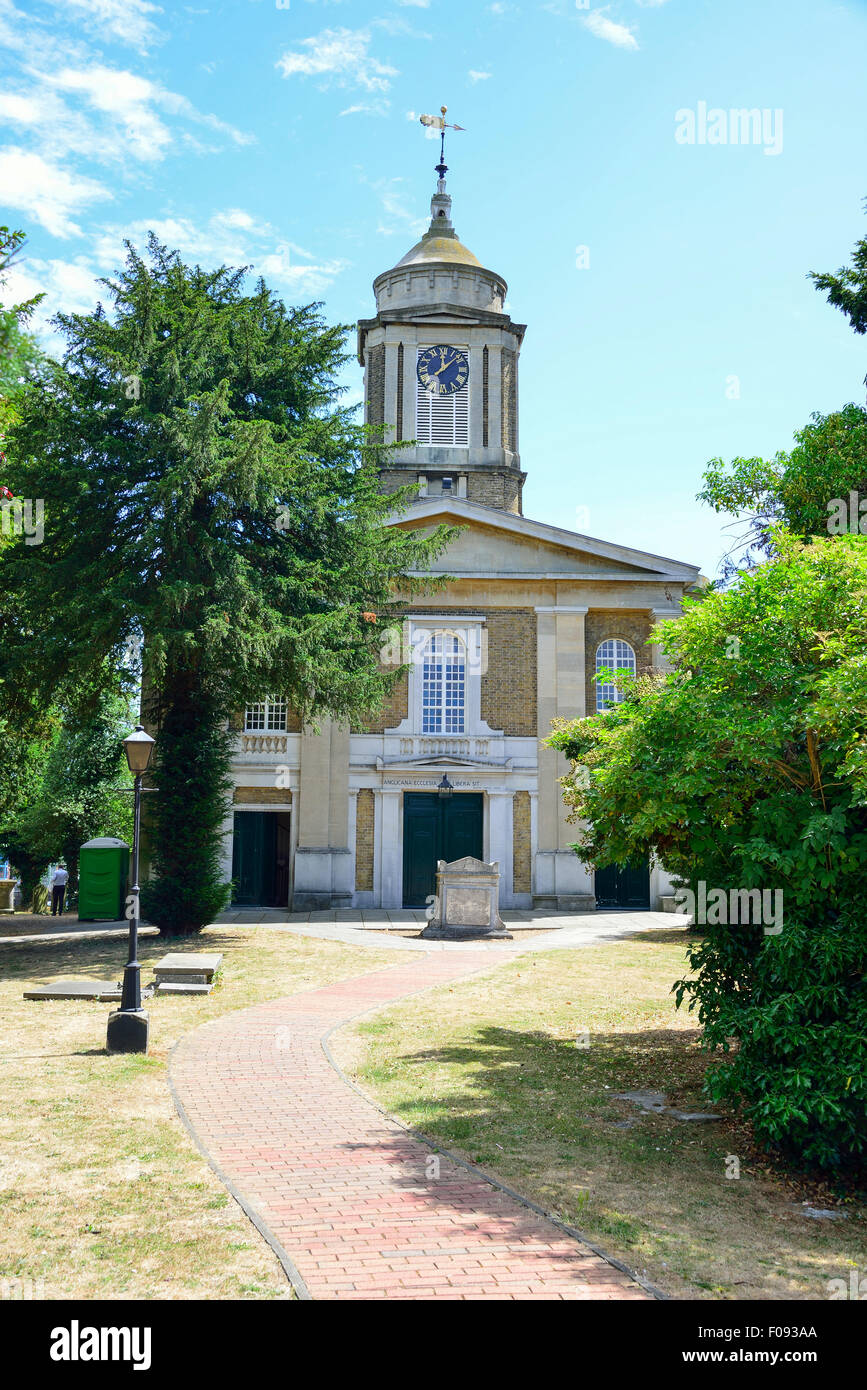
[442, 370]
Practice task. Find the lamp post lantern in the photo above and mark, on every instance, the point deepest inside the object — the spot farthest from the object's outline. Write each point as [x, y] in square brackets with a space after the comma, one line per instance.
[128, 1026]
[445, 787]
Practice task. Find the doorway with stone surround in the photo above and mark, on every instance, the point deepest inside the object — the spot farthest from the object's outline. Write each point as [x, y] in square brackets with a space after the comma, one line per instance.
[437, 827]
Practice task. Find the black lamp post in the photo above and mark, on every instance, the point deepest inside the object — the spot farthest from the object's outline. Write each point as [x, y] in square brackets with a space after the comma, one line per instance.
[445, 787]
[128, 1026]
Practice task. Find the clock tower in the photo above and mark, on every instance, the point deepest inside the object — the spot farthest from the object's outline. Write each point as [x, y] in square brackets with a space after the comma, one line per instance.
[440, 366]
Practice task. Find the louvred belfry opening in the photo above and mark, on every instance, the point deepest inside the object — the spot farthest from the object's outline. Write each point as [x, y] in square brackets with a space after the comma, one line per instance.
[442, 419]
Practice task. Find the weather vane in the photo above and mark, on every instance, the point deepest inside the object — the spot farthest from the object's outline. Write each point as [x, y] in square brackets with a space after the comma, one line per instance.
[442, 125]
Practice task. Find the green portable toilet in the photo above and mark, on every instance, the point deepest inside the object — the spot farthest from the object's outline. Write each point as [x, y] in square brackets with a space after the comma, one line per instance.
[103, 869]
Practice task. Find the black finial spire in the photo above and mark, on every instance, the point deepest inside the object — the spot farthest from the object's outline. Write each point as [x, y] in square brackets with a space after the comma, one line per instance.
[442, 125]
[442, 168]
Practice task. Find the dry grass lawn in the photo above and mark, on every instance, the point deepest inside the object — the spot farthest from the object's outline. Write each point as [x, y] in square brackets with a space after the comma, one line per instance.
[102, 1192]
[489, 1069]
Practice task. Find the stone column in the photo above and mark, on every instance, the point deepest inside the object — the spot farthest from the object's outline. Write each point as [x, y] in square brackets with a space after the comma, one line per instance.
[389, 849]
[501, 848]
[475, 389]
[495, 397]
[323, 860]
[390, 411]
[659, 660]
[351, 828]
[410, 351]
[561, 879]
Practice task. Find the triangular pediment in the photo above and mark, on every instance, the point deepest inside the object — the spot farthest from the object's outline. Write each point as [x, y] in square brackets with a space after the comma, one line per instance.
[495, 542]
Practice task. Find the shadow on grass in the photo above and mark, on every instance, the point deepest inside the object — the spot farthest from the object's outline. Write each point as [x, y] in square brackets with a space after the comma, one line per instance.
[530, 1083]
[101, 957]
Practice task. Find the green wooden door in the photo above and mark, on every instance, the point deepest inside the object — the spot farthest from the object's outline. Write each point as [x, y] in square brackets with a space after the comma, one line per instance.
[248, 855]
[437, 827]
[260, 858]
[626, 886]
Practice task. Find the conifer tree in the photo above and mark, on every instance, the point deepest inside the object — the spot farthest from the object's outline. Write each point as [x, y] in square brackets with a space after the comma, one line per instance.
[206, 495]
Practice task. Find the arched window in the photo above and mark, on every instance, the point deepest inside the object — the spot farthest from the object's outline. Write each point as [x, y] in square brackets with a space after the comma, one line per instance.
[612, 655]
[444, 685]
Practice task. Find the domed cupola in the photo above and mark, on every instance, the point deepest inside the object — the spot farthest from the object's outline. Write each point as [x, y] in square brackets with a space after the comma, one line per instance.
[441, 367]
[440, 266]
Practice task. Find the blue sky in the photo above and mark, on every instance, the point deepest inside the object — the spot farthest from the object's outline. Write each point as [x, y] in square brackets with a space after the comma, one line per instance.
[662, 281]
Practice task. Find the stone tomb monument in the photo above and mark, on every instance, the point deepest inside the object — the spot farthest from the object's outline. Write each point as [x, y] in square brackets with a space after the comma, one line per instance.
[467, 903]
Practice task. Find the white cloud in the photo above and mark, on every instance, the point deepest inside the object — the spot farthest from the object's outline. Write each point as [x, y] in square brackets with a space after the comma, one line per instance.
[300, 280]
[124, 21]
[341, 54]
[416, 4]
[231, 237]
[235, 217]
[45, 192]
[368, 108]
[399, 218]
[619, 34]
[107, 114]
[67, 285]
[476, 76]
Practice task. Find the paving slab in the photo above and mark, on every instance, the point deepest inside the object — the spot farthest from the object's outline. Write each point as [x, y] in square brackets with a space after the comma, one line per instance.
[70, 934]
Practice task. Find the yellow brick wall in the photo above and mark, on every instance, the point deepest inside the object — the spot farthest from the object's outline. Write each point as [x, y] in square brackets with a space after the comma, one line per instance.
[364, 841]
[266, 796]
[509, 687]
[629, 625]
[521, 871]
[392, 712]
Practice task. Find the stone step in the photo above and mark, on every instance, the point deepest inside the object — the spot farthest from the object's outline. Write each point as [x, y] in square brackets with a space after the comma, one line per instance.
[182, 977]
[183, 987]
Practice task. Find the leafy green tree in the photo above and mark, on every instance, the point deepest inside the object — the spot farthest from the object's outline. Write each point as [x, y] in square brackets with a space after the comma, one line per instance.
[204, 490]
[746, 768]
[847, 290]
[13, 348]
[22, 767]
[83, 791]
[19, 354]
[795, 489]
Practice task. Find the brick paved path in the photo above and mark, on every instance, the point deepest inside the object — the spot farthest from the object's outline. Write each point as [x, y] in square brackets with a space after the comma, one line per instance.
[341, 1189]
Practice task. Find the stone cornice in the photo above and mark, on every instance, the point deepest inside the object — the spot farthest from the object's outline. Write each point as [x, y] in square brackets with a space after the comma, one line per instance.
[442, 312]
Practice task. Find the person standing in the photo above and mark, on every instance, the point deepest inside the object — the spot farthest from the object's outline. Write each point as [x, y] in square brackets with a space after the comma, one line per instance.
[59, 880]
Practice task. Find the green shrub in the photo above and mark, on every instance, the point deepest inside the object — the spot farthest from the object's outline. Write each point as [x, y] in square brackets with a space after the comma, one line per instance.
[799, 1012]
[745, 768]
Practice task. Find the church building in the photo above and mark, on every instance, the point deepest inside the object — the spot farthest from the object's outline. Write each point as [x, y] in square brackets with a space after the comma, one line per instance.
[455, 764]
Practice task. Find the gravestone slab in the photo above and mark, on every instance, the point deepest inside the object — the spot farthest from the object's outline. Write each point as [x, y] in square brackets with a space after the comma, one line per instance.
[187, 967]
[466, 905]
[75, 989]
